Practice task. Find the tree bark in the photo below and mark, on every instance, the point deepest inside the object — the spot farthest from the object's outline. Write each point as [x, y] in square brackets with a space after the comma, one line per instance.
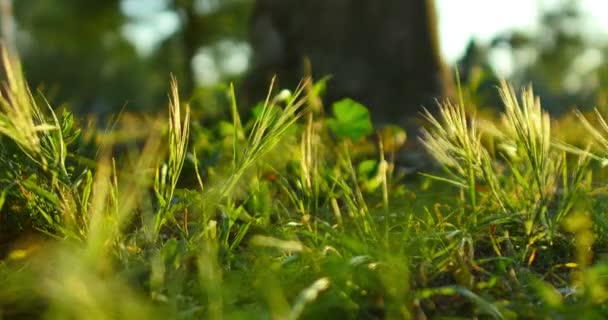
[384, 54]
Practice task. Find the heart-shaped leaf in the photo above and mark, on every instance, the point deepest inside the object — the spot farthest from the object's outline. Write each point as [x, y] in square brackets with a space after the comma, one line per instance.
[351, 120]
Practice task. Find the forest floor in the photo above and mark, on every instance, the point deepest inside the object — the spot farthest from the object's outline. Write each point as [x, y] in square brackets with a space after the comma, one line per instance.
[293, 214]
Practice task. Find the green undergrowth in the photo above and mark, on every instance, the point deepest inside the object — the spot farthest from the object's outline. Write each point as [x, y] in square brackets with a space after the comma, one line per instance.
[294, 214]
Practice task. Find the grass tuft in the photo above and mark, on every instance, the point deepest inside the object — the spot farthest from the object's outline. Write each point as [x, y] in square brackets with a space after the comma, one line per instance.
[293, 215]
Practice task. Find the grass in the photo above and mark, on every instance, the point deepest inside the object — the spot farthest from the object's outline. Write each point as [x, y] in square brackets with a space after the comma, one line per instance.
[283, 216]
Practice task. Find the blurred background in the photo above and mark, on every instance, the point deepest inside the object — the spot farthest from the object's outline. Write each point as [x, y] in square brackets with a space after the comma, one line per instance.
[102, 56]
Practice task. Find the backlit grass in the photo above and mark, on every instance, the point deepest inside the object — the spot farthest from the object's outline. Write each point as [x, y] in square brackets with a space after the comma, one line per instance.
[295, 215]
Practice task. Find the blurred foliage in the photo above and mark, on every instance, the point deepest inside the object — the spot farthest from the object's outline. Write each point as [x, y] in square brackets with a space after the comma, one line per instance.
[100, 56]
[564, 59]
[103, 56]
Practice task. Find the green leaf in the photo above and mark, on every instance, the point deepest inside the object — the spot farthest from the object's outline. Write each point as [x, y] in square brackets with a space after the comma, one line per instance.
[320, 86]
[369, 175]
[367, 168]
[351, 120]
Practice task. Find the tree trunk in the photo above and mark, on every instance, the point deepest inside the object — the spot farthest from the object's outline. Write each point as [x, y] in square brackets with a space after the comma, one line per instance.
[384, 53]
